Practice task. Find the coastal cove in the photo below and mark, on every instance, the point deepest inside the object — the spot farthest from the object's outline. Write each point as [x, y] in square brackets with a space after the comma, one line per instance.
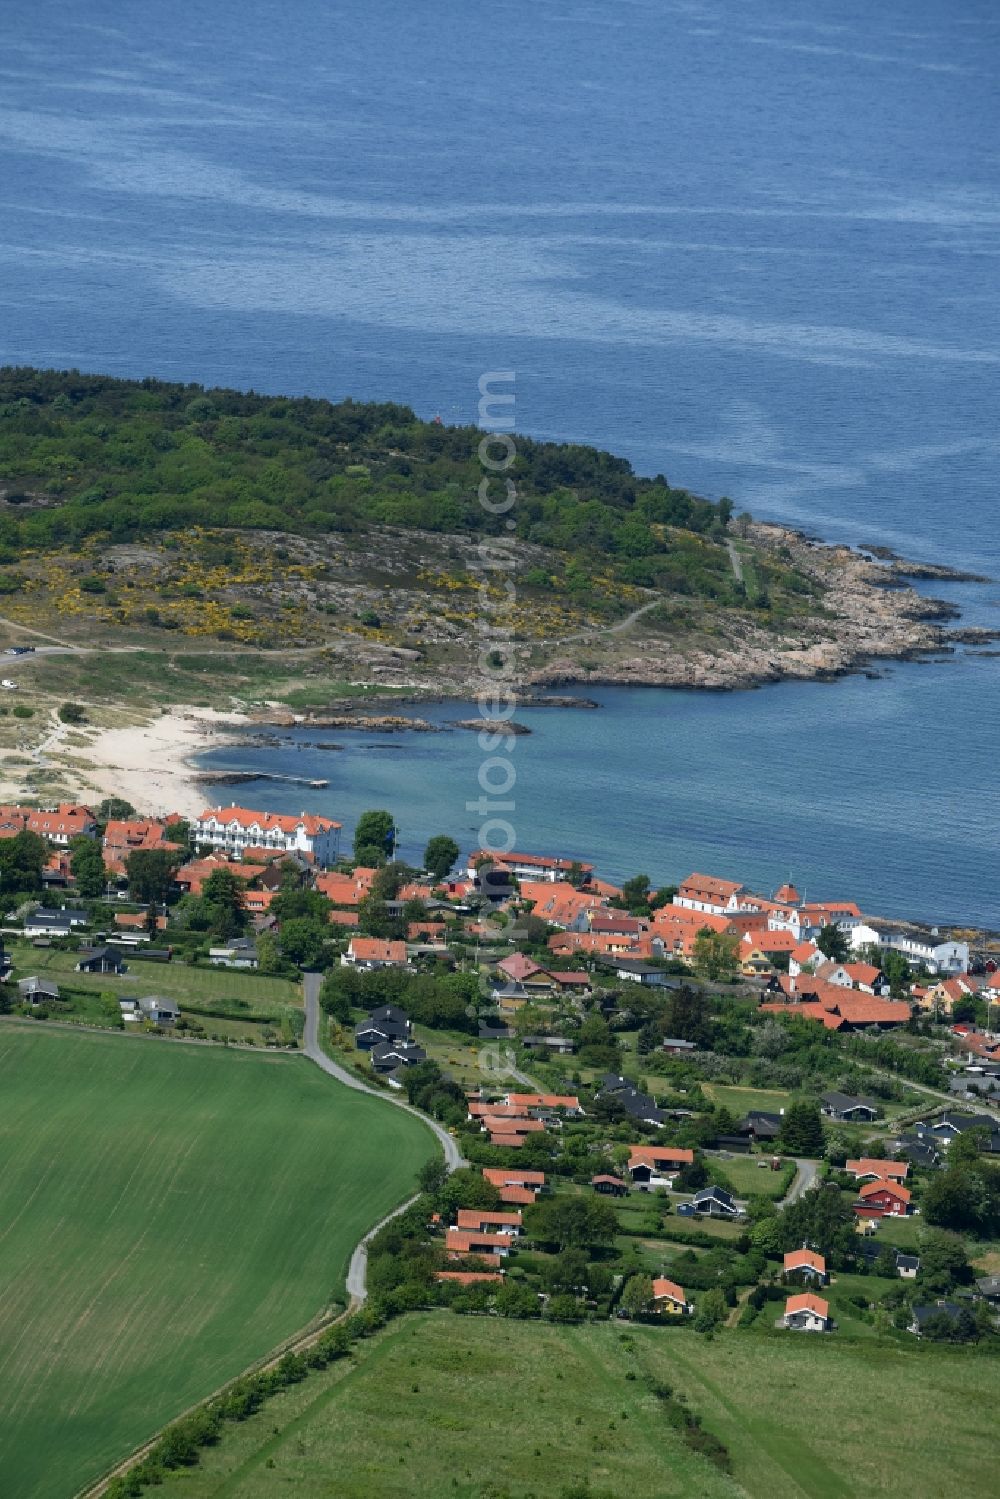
[811, 780]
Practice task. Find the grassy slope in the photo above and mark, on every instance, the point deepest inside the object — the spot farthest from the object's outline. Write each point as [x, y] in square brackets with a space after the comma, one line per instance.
[828, 1419]
[166, 1216]
[479, 1409]
[476, 1408]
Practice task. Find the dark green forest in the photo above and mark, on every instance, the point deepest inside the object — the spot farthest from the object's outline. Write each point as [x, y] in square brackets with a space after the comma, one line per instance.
[87, 456]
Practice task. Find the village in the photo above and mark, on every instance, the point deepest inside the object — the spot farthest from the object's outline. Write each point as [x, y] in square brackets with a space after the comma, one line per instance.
[691, 1105]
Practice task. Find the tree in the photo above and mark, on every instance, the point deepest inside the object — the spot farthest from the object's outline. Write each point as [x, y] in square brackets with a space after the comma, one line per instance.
[87, 864]
[222, 898]
[716, 955]
[514, 1300]
[897, 970]
[467, 1188]
[114, 809]
[712, 1310]
[637, 1296]
[944, 1263]
[268, 957]
[770, 1040]
[440, 855]
[72, 712]
[432, 1175]
[22, 859]
[376, 920]
[567, 1272]
[832, 943]
[802, 1130]
[150, 873]
[635, 895]
[687, 1016]
[303, 942]
[374, 833]
[573, 1221]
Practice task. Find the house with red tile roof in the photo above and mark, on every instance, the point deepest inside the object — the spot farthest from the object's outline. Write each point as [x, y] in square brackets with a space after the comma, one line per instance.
[868, 1168]
[374, 952]
[807, 1313]
[565, 1103]
[60, 825]
[459, 1242]
[234, 829]
[706, 893]
[884, 1199]
[345, 889]
[529, 866]
[192, 876]
[486, 1220]
[657, 1165]
[467, 1277]
[805, 1262]
[510, 1179]
[669, 1298]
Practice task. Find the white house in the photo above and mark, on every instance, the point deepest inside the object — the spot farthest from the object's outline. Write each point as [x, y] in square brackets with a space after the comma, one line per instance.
[704, 892]
[807, 1313]
[935, 955]
[235, 829]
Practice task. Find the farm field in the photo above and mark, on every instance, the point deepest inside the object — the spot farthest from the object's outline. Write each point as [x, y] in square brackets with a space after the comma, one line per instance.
[167, 1215]
[796, 1412]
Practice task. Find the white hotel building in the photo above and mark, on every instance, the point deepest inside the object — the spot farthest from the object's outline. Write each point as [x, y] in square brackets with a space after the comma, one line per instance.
[233, 830]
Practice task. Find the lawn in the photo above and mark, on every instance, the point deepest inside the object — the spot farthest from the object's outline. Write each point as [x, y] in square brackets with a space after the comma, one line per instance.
[478, 1407]
[740, 1101]
[749, 1176]
[492, 1408]
[191, 987]
[167, 1215]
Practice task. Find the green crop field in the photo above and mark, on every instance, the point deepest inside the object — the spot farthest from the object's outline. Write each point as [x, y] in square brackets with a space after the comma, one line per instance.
[167, 1215]
[482, 1409]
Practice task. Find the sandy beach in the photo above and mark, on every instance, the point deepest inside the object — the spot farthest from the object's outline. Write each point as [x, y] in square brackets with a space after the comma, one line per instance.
[151, 765]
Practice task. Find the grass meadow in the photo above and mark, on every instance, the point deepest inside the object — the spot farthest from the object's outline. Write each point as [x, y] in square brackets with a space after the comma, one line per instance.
[481, 1409]
[167, 1215]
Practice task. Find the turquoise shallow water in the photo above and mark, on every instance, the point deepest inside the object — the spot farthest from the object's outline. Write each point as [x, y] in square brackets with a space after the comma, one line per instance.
[753, 247]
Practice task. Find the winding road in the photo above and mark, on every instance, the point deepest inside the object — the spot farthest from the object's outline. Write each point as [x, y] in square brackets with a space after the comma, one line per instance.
[312, 1048]
[802, 1181]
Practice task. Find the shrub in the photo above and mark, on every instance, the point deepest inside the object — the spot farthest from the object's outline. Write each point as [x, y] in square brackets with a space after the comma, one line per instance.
[72, 713]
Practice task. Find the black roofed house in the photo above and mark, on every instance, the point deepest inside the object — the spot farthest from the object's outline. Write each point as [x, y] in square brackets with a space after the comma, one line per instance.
[638, 972]
[638, 1106]
[843, 1106]
[938, 1309]
[240, 953]
[36, 991]
[949, 1126]
[388, 1055]
[988, 1289]
[760, 1126]
[42, 923]
[919, 1149]
[100, 960]
[386, 1023]
[907, 1265]
[716, 1202]
[675, 1047]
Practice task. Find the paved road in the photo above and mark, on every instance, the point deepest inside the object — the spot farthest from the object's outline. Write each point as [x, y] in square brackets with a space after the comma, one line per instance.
[802, 1181]
[358, 1268]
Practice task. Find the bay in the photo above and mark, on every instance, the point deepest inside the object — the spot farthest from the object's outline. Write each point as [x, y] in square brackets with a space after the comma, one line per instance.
[752, 247]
